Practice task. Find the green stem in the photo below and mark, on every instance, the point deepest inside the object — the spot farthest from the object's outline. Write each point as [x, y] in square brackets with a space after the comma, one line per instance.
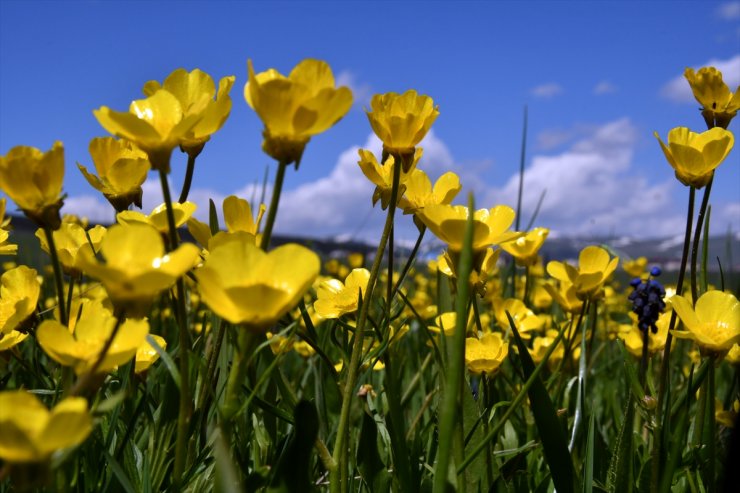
[711, 442]
[337, 476]
[274, 202]
[57, 274]
[82, 384]
[697, 238]
[188, 179]
[244, 346]
[409, 262]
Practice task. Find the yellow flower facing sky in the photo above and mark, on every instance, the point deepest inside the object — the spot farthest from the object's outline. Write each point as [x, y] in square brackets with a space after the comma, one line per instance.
[297, 107]
[420, 193]
[485, 355]
[29, 432]
[594, 268]
[33, 180]
[490, 226]
[244, 285]
[695, 156]
[336, 298]
[525, 248]
[122, 169]
[719, 103]
[714, 324]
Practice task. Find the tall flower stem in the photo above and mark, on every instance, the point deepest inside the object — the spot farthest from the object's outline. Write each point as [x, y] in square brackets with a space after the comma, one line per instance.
[57, 274]
[188, 179]
[409, 262]
[81, 385]
[711, 445]
[697, 238]
[665, 365]
[337, 484]
[274, 202]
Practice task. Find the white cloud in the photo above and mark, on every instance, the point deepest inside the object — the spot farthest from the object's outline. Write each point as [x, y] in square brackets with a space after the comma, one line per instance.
[361, 92]
[95, 208]
[547, 91]
[604, 87]
[678, 90]
[728, 11]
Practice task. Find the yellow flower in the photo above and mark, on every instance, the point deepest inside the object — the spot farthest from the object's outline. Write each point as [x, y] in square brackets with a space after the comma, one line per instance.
[33, 179]
[295, 108]
[69, 239]
[633, 336]
[419, 192]
[191, 89]
[146, 355]
[486, 354]
[695, 156]
[244, 285]
[19, 295]
[490, 226]
[524, 249]
[382, 175]
[355, 260]
[719, 103]
[237, 216]
[483, 268]
[158, 216]
[5, 247]
[11, 339]
[525, 319]
[336, 298]
[714, 324]
[136, 267]
[401, 120]
[635, 267]
[90, 326]
[122, 168]
[733, 356]
[594, 268]
[29, 432]
[565, 295]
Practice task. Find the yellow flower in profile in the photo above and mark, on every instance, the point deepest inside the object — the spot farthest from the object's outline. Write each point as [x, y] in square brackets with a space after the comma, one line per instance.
[382, 175]
[525, 319]
[695, 156]
[29, 432]
[158, 216]
[191, 89]
[244, 285]
[238, 218]
[485, 355]
[19, 295]
[633, 336]
[336, 298]
[483, 269]
[122, 169]
[6, 248]
[295, 108]
[714, 324]
[146, 355]
[33, 180]
[136, 267]
[565, 295]
[719, 103]
[635, 267]
[420, 193]
[525, 248]
[490, 226]
[69, 239]
[594, 268]
[90, 326]
[11, 339]
[401, 120]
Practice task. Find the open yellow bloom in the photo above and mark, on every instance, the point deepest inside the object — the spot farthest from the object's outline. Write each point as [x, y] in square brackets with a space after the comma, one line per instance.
[714, 324]
[158, 216]
[19, 294]
[382, 175]
[29, 432]
[525, 319]
[420, 193]
[594, 268]
[633, 336]
[237, 216]
[525, 248]
[336, 298]
[122, 168]
[635, 267]
[719, 103]
[11, 339]
[244, 285]
[69, 239]
[490, 226]
[136, 267]
[5, 247]
[695, 156]
[90, 326]
[297, 107]
[401, 120]
[191, 89]
[33, 180]
[486, 354]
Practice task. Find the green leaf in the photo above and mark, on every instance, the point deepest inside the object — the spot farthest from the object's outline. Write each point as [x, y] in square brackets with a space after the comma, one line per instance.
[119, 473]
[588, 467]
[166, 359]
[619, 475]
[373, 471]
[292, 472]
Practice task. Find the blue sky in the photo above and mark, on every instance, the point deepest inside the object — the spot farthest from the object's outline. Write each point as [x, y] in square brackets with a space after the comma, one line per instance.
[598, 79]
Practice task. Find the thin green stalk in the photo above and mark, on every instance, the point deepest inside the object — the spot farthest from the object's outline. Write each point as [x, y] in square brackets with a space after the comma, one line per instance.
[84, 381]
[409, 262]
[697, 239]
[212, 359]
[57, 274]
[274, 202]
[337, 477]
[188, 179]
[454, 383]
[711, 442]
[244, 346]
[522, 157]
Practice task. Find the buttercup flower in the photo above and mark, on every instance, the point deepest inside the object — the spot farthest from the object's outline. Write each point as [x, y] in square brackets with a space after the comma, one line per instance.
[295, 108]
[11, 339]
[6, 248]
[336, 298]
[244, 285]
[33, 179]
[719, 103]
[695, 156]
[714, 324]
[633, 336]
[19, 294]
[158, 216]
[29, 432]
[635, 267]
[90, 326]
[525, 319]
[237, 216]
[122, 168]
[524, 249]
[136, 267]
[490, 226]
[69, 239]
[382, 175]
[146, 355]
[420, 193]
[191, 89]
[401, 120]
[594, 268]
[486, 354]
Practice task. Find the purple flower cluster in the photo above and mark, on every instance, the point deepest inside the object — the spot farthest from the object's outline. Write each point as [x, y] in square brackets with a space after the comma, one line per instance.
[647, 300]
